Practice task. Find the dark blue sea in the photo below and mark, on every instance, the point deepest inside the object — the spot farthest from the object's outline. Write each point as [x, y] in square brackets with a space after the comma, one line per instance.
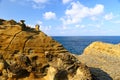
[76, 44]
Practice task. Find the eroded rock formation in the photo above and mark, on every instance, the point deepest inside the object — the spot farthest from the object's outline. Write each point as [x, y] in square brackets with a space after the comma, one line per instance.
[103, 60]
[29, 54]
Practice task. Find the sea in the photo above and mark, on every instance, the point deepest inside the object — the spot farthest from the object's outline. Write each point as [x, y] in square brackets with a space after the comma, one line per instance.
[77, 44]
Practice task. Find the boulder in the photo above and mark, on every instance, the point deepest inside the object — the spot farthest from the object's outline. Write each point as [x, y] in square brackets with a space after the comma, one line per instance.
[103, 60]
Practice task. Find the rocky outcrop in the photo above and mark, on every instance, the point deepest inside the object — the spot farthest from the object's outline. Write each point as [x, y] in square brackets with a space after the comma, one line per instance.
[105, 48]
[16, 38]
[29, 54]
[103, 60]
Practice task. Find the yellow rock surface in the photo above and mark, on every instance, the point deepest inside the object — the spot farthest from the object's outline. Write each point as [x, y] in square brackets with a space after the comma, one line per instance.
[103, 60]
[29, 54]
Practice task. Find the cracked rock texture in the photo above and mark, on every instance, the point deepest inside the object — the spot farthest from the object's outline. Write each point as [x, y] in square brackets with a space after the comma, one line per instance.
[29, 54]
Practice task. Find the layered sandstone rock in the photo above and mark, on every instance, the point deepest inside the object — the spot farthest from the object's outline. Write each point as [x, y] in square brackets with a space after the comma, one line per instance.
[103, 60]
[29, 54]
[105, 48]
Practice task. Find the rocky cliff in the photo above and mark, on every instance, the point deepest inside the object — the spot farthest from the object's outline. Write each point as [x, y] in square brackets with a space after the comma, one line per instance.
[29, 54]
[103, 60]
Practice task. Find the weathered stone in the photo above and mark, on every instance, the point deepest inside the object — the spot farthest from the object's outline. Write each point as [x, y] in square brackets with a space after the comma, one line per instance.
[29, 54]
[37, 27]
[103, 60]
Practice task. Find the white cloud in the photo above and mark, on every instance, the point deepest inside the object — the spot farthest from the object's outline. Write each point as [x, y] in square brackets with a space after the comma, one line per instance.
[35, 6]
[31, 25]
[108, 16]
[98, 9]
[49, 15]
[95, 25]
[40, 1]
[80, 26]
[64, 27]
[38, 4]
[77, 12]
[46, 29]
[39, 22]
[66, 1]
[94, 18]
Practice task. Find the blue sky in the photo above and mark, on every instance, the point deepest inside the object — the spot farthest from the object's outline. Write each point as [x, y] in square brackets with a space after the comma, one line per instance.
[66, 17]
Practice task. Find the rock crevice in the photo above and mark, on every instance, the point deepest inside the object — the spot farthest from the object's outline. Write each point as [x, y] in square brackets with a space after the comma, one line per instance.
[12, 39]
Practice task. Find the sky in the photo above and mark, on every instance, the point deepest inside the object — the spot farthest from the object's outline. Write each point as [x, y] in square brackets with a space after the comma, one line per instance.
[66, 17]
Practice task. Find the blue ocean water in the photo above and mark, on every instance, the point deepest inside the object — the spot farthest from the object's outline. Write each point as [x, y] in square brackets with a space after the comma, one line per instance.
[76, 44]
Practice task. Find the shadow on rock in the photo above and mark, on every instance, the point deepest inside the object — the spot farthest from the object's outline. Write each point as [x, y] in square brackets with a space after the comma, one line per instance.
[98, 74]
[61, 75]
